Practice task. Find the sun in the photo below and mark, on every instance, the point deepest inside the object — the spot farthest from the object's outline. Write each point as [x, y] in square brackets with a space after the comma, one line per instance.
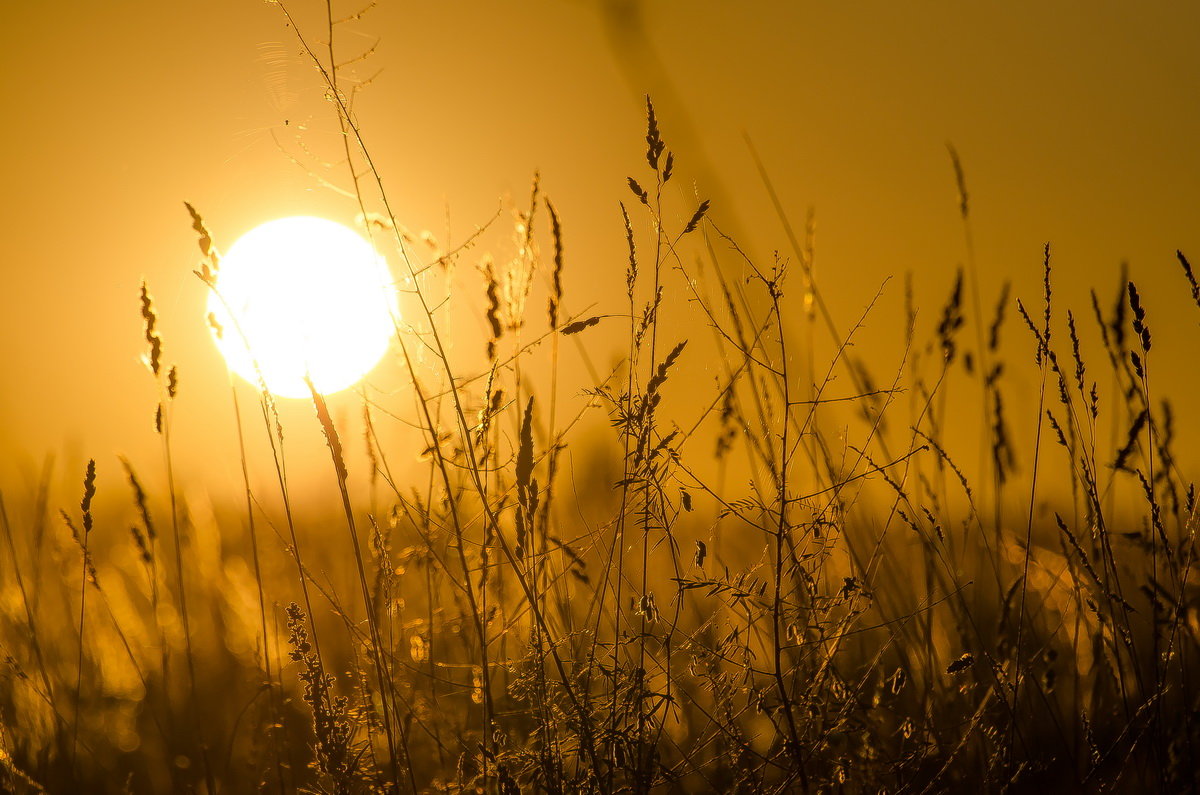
[299, 298]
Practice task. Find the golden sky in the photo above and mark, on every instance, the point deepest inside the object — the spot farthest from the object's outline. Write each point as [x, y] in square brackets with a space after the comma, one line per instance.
[1077, 123]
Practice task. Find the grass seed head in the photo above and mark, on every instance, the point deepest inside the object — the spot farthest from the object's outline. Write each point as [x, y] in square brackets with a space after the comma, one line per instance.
[654, 142]
[89, 493]
[556, 288]
[150, 323]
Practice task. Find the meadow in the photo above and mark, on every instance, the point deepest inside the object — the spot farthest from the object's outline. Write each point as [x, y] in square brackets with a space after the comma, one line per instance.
[739, 557]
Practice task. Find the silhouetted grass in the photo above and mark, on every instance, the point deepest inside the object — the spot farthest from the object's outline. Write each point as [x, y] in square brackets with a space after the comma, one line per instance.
[796, 583]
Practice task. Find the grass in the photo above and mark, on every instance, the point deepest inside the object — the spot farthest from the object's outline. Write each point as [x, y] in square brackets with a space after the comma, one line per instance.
[794, 581]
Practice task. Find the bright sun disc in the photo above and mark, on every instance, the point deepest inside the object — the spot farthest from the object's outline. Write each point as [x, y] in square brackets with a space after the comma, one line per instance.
[303, 297]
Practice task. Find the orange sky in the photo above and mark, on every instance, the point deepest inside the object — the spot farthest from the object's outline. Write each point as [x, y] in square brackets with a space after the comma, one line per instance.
[1077, 124]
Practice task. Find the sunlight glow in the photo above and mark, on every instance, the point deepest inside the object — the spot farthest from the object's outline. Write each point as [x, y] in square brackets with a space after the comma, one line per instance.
[303, 296]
